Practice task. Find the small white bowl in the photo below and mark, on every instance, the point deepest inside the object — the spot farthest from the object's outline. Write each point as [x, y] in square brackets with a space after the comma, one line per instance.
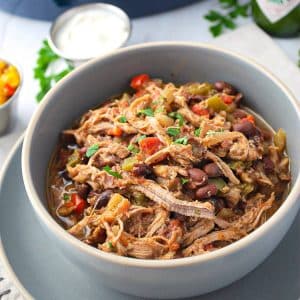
[7, 108]
[62, 19]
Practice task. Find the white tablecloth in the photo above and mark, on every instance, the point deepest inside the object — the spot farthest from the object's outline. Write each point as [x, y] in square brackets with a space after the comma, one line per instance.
[20, 39]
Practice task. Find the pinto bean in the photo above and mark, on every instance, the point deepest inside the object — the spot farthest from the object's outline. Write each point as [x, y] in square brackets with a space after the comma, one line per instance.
[219, 85]
[82, 189]
[212, 170]
[239, 114]
[268, 165]
[222, 86]
[198, 176]
[245, 127]
[206, 191]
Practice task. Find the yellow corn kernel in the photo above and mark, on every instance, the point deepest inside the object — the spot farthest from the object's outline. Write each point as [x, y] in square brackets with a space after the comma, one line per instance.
[2, 99]
[118, 204]
[11, 76]
[2, 66]
[129, 163]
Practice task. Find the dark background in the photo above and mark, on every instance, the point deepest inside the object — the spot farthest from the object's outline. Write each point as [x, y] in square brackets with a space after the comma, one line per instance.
[49, 9]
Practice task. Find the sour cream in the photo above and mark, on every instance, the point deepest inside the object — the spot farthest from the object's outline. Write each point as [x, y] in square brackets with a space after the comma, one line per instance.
[90, 32]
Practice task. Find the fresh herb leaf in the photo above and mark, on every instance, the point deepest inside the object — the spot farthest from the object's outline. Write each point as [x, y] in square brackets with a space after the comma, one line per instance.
[141, 138]
[92, 150]
[133, 149]
[147, 112]
[122, 119]
[111, 172]
[216, 30]
[182, 141]
[45, 58]
[232, 9]
[66, 197]
[178, 116]
[110, 245]
[173, 131]
[197, 131]
[184, 180]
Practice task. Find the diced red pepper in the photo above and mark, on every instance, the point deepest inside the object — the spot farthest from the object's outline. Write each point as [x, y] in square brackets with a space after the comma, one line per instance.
[227, 99]
[79, 203]
[116, 131]
[9, 90]
[150, 145]
[198, 110]
[138, 81]
[249, 118]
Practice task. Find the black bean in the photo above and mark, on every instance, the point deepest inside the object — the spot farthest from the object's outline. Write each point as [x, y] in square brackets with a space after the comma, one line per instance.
[143, 170]
[268, 165]
[212, 170]
[198, 176]
[206, 191]
[245, 127]
[64, 174]
[83, 189]
[67, 139]
[103, 199]
[218, 203]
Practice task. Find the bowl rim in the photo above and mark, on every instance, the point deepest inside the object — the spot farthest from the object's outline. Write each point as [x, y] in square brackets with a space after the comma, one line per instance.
[119, 12]
[62, 234]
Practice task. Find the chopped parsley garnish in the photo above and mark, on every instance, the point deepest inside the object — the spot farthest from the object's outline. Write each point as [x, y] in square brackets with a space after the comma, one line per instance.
[111, 172]
[47, 79]
[122, 119]
[178, 116]
[147, 112]
[173, 131]
[66, 197]
[92, 150]
[184, 180]
[133, 149]
[141, 138]
[110, 245]
[197, 131]
[182, 141]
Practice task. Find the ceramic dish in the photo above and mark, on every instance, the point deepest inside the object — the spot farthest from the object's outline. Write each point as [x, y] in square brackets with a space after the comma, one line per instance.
[179, 62]
[6, 109]
[276, 278]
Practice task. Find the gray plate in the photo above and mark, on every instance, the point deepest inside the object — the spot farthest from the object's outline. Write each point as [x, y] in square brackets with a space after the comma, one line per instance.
[36, 265]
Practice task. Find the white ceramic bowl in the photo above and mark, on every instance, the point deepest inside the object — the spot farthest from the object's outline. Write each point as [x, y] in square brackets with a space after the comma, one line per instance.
[180, 62]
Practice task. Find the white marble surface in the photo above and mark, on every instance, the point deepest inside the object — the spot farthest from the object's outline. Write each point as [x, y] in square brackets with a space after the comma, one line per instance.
[20, 39]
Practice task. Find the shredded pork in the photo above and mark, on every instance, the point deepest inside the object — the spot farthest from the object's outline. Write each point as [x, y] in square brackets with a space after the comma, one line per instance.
[168, 171]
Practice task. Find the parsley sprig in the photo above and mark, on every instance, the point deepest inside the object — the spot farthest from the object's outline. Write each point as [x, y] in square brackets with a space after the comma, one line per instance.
[46, 57]
[109, 170]
[232, 10]
[92, 150]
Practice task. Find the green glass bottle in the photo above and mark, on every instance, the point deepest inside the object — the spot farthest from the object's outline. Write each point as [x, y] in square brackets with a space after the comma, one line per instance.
[277, 17]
